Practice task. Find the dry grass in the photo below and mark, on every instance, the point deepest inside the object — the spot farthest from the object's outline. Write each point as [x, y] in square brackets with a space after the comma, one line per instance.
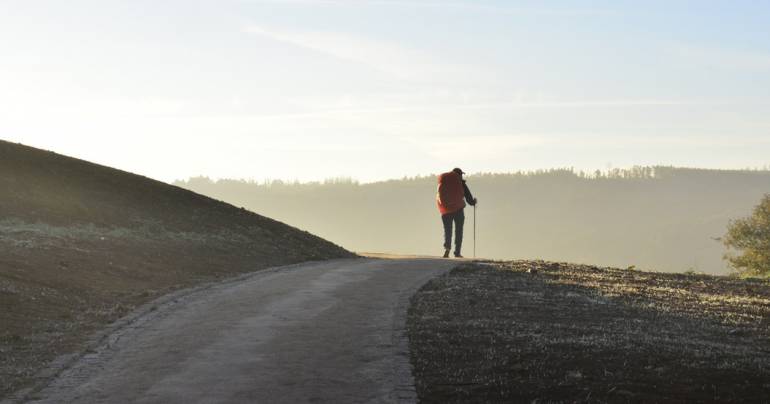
[572, 333]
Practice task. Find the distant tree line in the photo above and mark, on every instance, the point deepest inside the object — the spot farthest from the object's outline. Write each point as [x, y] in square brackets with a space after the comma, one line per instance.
[658, 218]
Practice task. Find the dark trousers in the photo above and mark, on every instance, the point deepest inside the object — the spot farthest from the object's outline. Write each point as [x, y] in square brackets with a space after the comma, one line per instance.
[458, 218]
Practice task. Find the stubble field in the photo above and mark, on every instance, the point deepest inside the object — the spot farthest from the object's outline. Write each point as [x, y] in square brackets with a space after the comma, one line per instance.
[527, 331]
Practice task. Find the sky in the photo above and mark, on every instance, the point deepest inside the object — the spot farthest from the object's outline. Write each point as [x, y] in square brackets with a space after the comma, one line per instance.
[377, 89]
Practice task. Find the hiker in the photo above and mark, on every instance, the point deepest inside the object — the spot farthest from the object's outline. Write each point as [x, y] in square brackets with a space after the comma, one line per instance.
[451, 191]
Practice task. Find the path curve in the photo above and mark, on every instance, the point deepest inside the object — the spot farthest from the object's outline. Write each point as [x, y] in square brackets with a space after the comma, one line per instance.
[321, 332]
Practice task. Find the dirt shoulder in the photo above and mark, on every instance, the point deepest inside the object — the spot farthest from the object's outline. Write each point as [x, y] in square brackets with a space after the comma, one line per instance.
[60, 285]
[572, 333]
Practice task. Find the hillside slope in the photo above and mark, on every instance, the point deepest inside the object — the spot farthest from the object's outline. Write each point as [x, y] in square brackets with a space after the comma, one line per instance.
[82, 244]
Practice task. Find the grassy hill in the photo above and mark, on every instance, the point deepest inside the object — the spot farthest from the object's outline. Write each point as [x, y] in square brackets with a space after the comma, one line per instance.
[82, 245]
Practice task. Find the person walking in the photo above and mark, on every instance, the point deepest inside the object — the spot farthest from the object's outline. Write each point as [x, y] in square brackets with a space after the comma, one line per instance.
[452, 189]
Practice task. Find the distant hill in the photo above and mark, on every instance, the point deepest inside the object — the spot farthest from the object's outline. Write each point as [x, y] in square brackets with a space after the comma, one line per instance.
[82, 244]
[656, 218]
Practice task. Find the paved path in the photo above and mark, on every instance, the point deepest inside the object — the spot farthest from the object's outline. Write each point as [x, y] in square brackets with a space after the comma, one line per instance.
[324, 332]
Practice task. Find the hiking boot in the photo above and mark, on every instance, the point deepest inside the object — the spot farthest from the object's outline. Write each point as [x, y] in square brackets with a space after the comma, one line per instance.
[446, 253]
[458, 255]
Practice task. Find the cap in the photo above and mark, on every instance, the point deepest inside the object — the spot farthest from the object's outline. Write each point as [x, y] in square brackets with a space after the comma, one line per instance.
[459, 171]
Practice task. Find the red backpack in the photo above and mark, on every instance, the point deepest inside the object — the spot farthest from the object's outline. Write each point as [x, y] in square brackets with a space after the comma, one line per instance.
[450, 193]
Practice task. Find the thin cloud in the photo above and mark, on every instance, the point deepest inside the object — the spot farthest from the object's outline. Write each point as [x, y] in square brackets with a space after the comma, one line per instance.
[483, 146]
[403, 108]
[384, 56]
[721, 58]
[578, 104]
[493, 146]
[450, 5]
[480, 7]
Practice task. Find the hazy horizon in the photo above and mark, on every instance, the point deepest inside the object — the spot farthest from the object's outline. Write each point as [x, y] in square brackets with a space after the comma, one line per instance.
[373, 90]
[668, 221]
[468, 174]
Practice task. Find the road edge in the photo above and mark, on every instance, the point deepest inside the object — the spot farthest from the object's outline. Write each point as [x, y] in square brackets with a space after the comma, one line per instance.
[404, 388]
[106, 337]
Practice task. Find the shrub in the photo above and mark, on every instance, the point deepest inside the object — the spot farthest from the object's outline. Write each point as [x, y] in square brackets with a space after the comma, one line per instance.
[750, 236]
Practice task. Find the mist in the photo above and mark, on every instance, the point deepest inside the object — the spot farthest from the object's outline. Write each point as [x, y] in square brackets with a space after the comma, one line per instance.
[654, 218]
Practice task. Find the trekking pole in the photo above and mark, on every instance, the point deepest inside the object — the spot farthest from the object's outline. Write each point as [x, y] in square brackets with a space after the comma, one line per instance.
[474, 231]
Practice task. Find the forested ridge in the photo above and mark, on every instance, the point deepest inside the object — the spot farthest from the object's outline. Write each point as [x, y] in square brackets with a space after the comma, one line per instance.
[655, 218]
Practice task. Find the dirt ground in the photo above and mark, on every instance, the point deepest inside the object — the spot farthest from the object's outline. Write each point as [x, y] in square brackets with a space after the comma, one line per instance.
[323, 332]
[55, 292]
[81, 245]
[528, 331]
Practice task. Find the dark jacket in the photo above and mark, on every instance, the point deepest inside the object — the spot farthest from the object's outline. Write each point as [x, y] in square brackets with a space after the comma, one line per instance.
[468, 197]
